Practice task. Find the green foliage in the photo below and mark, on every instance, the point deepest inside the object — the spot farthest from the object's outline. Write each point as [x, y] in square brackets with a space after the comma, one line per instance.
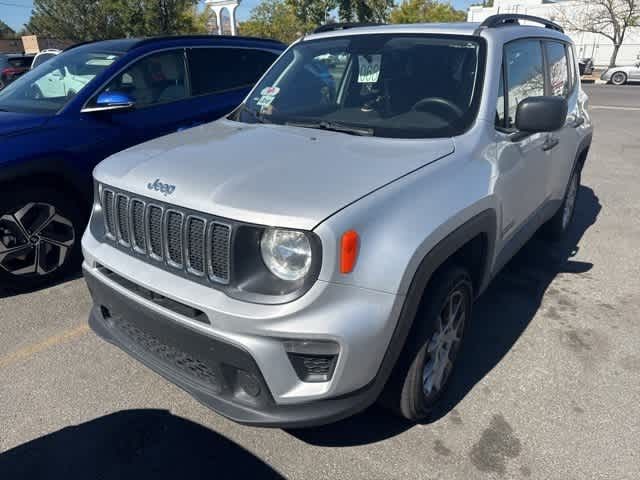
[367, 11]
[80, 20]
[6, 31]
[425, 11]
[274, 19]
[314, 12]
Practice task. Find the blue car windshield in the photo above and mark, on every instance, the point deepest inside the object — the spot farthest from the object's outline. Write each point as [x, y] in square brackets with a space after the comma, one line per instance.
[50, 86]
[385, 85]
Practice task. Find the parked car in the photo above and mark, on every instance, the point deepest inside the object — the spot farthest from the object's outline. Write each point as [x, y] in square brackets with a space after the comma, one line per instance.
[60, 119]
[13, 66]
[322, 246]
[44, 55]
[621, 75]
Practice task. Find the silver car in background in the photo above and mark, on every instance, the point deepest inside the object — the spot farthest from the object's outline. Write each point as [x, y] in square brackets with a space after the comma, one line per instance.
[622, 75]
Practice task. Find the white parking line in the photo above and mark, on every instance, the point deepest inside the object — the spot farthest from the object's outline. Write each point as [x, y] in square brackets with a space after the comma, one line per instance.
[612, 107]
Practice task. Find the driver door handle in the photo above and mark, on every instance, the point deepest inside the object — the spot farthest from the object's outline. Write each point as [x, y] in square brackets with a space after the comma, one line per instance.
[550, 143]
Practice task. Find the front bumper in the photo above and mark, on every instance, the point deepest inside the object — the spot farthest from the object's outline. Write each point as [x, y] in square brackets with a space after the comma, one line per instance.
[222, 376]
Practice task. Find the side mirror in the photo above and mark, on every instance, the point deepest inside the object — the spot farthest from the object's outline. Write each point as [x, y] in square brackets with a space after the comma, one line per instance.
[541, 114]
[111, 101]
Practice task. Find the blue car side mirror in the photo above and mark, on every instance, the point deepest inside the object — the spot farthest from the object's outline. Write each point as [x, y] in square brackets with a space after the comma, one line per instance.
[111, 101]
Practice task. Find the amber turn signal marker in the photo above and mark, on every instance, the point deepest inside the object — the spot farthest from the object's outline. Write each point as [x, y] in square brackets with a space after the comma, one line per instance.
[348, 251]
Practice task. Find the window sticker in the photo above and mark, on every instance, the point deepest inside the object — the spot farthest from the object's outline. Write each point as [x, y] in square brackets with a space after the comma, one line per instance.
[369, 68]
[267, 95]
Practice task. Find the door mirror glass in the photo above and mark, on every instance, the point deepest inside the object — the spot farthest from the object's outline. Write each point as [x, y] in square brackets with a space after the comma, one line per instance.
[110, 101]
[541, 114]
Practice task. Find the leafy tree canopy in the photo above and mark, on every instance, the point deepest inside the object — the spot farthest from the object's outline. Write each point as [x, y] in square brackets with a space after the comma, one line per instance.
[81, 20]
[418, 11]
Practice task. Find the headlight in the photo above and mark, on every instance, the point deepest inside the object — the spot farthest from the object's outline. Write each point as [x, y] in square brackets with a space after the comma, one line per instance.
[286, 253]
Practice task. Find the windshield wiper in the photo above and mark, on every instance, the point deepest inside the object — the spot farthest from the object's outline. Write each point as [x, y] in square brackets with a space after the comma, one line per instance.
[334, 127]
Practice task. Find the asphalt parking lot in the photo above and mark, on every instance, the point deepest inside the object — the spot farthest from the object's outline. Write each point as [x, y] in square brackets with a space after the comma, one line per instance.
[548, 385]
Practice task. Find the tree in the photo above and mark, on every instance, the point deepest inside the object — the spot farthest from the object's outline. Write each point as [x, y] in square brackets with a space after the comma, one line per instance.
[367, 11]
[419, 11]
[609, 18]
[314, 12]
[80, 20]
[6, 31]
[274, 19]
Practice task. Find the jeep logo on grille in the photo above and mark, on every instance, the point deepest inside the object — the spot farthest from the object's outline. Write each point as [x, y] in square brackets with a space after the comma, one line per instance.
[158, 186]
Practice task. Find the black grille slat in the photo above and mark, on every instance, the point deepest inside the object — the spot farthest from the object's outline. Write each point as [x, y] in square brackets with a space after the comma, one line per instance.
[174, 237]
[195, 244]
[155, 230]
[137, 224]
[219, 251]
[107, 206]
[122, 211]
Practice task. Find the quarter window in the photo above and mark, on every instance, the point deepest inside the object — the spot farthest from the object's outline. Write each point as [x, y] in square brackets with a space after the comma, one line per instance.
[558, 69]
[158, 78]
[216, 70]
[525, 74]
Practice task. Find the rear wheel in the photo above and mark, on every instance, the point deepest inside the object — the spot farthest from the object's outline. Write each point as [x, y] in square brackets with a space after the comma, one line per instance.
[39, 237]
[428, 359]
[619, 78]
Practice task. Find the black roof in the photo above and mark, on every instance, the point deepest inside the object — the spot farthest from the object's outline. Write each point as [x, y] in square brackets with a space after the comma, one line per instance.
[127, 44]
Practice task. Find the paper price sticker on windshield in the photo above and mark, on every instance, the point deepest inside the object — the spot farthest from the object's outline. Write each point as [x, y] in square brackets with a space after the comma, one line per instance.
[369, 68]
[267, 95]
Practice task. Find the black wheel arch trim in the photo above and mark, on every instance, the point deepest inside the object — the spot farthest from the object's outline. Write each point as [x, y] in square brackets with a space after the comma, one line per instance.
[31, 171]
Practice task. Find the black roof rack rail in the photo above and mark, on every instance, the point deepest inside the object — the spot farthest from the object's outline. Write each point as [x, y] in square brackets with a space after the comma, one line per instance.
[506, 19]
[330, 27]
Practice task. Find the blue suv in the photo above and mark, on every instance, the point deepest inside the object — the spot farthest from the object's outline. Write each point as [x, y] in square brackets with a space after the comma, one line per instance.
[62, 118]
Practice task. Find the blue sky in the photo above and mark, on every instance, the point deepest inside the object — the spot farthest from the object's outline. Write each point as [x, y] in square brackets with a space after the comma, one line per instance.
[16, 12]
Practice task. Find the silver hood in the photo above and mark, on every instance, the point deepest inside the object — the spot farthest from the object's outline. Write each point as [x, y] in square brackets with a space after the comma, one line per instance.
[267, 174]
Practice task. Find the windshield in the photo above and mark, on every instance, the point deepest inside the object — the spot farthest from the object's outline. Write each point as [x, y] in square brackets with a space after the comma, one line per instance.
[49, 87]
[401, 86]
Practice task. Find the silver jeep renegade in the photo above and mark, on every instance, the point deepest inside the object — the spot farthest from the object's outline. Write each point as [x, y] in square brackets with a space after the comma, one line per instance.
[321, 247]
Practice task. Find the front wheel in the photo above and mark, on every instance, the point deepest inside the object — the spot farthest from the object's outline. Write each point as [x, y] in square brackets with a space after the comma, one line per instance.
[428, 359]
[39, 237]
[619, 78]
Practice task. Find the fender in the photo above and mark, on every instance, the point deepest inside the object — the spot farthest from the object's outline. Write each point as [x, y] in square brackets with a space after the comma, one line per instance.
[25, 170]
[483, 223]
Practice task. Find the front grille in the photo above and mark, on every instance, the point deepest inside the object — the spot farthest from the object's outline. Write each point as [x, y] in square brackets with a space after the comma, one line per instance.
[196, 245]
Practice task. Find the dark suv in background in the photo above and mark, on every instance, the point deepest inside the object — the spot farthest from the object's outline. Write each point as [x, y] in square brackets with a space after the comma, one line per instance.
[60, 119]
[12, 66]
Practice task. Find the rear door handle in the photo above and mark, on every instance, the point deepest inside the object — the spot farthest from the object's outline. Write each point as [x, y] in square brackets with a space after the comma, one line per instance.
[577, 122]
[550, 143]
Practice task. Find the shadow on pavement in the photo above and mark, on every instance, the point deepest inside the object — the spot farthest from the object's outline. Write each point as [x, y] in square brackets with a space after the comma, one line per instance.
[132, 444]
[500, 316]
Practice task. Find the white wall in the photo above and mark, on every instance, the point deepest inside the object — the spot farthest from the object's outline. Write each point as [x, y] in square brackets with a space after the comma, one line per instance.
[587, 44]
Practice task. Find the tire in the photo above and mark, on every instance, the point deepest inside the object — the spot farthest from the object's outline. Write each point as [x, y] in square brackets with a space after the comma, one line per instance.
[619, 78]
[558, 225]
[416, 383]
[40, 231]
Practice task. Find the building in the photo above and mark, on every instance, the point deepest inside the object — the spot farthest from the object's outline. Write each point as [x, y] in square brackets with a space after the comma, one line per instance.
[588, 45]
[223, 19]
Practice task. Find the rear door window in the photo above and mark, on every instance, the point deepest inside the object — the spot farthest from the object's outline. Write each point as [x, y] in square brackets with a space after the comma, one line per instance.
[558, 69]
[215, 70]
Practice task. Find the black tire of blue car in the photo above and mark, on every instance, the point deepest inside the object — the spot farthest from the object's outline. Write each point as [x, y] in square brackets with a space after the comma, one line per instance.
[556, 228]
[40, 230]
[425, 366]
